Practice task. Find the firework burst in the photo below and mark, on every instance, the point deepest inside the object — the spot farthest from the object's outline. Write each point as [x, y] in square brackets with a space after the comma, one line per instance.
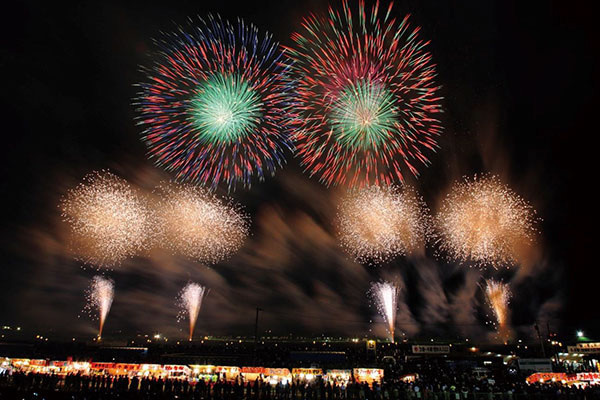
[190, 301]
[482, 221]
[216, 103]
[367, 99]
[376, 224]
[385, 296]
[109, 220]
[498, 296]
[99, 299]
[198, 225]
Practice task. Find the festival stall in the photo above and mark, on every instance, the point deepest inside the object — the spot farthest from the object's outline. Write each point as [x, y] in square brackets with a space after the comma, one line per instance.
[20, 363]
[579, 379]
[584, 378]
[409, 378]
[177, 371]
[124, 369]
[101, 368]
[271, 375]
[4, 364]
[368, 375]
[151, 370]
[339, 377]
[204, 372]
[59, 367]
[27, 365]
[306, 374]
[70, 367]
[78, 367]
[545, 377]
[227, 372]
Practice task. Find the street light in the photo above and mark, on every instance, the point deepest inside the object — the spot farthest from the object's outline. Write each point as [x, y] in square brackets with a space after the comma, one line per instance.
[579, 334]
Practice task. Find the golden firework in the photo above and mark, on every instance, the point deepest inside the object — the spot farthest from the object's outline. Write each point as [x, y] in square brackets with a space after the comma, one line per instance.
[385, 295]
[195, 223]
[376, 224]
[498, 296]
[100, 297]
[109, 220]
[483, 222]
[190, 301]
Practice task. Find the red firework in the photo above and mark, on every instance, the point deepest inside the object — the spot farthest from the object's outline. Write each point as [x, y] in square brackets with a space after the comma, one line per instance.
[214, 106]
[367, 97]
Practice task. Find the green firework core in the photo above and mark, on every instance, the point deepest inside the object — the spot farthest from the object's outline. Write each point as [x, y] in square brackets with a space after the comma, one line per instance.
[363, 115]
[225, 109]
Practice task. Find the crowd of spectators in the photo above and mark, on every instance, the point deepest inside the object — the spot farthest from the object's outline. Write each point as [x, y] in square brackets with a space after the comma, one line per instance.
[438, 378]
[430, 384]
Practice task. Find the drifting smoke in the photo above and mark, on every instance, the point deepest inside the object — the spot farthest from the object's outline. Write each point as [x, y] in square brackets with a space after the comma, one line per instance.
[385, 296]
[190, 301]
[100, 297]
[296, 264]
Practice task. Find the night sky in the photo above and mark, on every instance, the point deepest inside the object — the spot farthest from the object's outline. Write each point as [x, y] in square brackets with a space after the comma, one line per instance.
[520, 90]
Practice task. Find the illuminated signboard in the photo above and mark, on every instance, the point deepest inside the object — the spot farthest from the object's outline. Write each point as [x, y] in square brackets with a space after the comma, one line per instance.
[583, 350]
[430, 349]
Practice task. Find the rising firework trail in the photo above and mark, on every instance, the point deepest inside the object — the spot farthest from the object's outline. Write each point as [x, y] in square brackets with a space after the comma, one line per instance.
[376, 224]
[100, 298]
[109, 220]
[197, 224]
[190, 301]
[385, 296]
[215, 106]
[368, 103]
[483, 222]
[498, 296]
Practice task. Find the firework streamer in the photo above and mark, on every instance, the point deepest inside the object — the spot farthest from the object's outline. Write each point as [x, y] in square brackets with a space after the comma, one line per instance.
[99, 299]
[216, 104]
[376, 224]
[190, 302]
[498, 297]
[483, 222]
[368, 103]
[197, 224]
[385, 296]
[109, 220]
